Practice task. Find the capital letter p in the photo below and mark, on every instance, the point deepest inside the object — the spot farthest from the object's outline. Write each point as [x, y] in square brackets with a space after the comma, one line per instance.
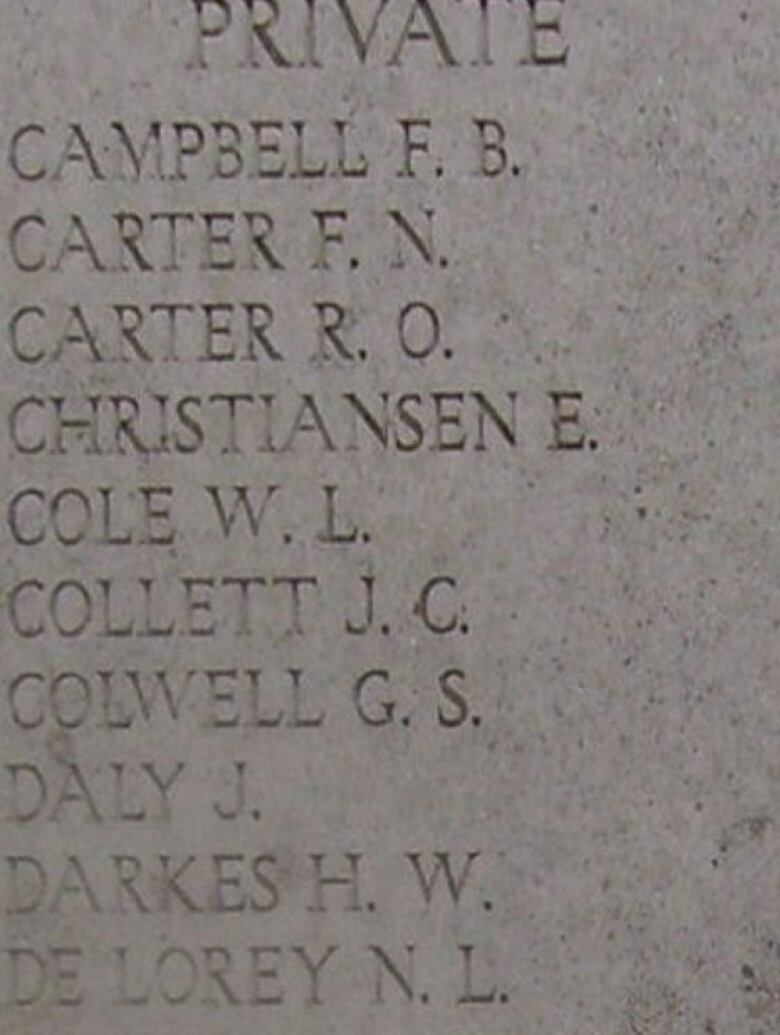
[213, 18]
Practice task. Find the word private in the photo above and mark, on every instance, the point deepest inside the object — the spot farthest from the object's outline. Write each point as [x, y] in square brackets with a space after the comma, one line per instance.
[312, 34]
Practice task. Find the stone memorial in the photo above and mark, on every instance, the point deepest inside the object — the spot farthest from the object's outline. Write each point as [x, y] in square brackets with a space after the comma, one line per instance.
[390, 576]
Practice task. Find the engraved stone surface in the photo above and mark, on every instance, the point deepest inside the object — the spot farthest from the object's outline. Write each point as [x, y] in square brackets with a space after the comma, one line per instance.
[389, 418]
